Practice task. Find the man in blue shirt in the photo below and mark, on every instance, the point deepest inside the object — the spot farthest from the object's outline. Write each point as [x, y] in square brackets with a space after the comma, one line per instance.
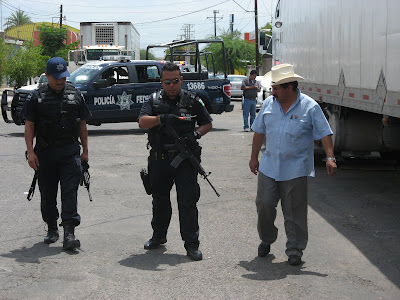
[288, 122]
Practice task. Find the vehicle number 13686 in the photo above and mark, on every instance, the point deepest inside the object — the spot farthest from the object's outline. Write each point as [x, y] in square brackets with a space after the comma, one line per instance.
[196, 86]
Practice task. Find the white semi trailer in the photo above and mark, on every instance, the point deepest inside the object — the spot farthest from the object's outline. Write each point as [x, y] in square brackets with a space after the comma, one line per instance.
[349, 53]
[100, 39]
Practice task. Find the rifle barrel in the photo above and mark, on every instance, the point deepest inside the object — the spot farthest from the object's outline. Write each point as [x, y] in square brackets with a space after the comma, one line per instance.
[212, 186]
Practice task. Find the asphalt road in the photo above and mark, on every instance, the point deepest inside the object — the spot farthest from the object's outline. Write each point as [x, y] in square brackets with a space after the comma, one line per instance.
[353, 250]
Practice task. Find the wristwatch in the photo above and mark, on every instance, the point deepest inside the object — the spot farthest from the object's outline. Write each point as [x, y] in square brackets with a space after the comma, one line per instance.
[331, 158]
[197, 134]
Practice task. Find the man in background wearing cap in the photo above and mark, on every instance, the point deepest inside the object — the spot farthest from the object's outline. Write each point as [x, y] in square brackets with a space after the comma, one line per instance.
[56, 114]
[288, 122]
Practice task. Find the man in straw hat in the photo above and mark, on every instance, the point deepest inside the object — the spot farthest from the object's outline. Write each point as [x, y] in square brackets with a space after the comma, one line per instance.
[289, 122]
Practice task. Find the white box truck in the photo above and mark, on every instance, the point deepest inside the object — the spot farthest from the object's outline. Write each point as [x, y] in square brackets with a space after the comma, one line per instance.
[349, 53]
[100, 39]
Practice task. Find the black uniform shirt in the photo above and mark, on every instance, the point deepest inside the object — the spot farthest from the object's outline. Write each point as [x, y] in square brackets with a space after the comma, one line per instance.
[199, 110]
[29, 110]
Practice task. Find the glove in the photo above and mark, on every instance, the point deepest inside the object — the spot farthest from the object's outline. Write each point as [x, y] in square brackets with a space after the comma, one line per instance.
[170, 119]
[197, 135]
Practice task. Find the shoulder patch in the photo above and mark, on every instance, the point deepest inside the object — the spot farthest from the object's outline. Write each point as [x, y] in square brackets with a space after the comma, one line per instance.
[201, 102]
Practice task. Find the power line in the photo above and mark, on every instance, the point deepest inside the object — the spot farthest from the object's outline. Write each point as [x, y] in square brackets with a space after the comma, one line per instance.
[182, 15]
[14, 9]
[136, 6]
[242, 7]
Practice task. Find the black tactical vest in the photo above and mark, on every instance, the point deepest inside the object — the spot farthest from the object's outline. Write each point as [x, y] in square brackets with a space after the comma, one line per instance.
[158, 135]
[57, 116]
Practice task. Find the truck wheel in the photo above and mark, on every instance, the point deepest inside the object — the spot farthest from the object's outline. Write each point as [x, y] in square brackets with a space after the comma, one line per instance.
[390, 155]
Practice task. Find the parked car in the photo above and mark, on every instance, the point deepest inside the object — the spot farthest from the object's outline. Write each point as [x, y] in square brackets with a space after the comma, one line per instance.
[236, 83]
[42, 79]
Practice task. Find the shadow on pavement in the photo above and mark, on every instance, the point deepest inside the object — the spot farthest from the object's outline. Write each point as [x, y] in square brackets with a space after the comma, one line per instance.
[265, 269]
[105, 132]
[13, 134]
[153, 260]
[220, 129]
[364, 207]
[34, 253]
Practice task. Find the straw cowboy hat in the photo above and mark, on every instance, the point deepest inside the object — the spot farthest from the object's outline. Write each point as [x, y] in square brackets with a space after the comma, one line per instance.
[283, 73]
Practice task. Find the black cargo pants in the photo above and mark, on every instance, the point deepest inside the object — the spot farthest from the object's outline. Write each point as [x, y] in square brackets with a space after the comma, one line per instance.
[59, 164]
[162, 177]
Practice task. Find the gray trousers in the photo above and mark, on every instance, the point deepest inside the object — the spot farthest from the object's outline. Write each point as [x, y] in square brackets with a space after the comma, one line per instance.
[293, 196]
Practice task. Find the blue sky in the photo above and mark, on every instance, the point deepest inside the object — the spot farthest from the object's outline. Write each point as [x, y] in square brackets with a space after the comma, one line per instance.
[157, 21]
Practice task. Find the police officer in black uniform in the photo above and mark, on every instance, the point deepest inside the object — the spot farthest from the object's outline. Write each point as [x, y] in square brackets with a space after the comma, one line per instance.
[55, 113]
[161, 110]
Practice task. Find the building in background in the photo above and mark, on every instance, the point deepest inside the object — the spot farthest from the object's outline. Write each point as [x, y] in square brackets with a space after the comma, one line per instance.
[30, 32]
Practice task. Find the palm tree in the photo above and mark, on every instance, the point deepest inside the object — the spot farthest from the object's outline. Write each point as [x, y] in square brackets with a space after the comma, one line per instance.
[17, 18]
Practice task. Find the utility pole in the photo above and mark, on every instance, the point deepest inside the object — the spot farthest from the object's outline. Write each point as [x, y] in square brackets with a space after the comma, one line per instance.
[188, 35]
[187, 31]
[60, 16]
[256, 35]
[215, 21]
[232, 20]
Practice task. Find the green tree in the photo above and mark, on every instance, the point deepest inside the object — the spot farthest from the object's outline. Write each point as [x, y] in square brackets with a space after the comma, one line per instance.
[53, 41]
[17, 18]
[239, 53]
[3, 59]
[22, 63]
[143, 54]
[267, 26]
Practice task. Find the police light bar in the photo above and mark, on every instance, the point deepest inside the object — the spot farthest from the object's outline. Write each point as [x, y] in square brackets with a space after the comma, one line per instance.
[181, 62]
[116, 57]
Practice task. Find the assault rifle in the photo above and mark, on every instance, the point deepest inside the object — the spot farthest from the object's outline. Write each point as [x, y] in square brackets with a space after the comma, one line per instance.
[185, 153]
[32, 188]
[33, 184]
[85, 178]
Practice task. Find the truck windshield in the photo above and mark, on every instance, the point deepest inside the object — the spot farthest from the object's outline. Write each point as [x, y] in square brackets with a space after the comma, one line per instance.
[96, 54]
[84, 74]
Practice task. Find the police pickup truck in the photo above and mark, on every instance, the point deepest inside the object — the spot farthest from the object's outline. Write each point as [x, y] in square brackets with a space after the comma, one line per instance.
[116, 87]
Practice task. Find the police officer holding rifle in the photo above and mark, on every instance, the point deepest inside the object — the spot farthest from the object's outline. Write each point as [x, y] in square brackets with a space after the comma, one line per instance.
[165, 112]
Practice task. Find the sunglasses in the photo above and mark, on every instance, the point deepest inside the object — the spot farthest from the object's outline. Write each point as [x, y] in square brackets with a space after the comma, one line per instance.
[174, 81]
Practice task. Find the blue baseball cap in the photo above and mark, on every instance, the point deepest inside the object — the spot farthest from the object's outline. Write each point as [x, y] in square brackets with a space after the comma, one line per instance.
[57, 67]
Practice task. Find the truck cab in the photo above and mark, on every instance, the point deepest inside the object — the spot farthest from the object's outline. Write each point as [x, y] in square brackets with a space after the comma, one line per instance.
[79, 57]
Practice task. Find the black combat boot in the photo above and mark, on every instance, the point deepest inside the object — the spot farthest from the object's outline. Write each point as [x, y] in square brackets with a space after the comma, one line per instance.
[154, 243]
[52, 233]
[194, 254]
[70, 242]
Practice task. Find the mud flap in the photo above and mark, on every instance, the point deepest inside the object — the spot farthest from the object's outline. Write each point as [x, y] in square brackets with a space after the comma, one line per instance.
[5, 107]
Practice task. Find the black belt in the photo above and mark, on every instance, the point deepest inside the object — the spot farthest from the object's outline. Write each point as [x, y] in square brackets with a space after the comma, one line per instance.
[162, 154]
[61, 142]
